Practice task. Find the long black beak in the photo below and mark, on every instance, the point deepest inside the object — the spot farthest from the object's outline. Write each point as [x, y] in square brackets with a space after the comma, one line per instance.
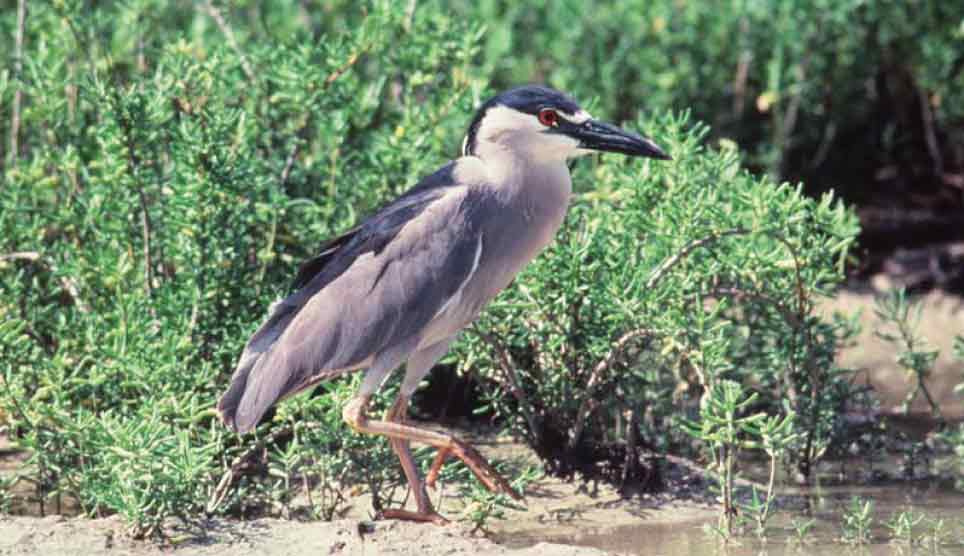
[600, 136]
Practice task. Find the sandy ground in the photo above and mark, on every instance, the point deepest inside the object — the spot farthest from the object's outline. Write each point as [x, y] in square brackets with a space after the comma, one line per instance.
[570, 513]
[56, 536]
[558, 516]
[941, 320]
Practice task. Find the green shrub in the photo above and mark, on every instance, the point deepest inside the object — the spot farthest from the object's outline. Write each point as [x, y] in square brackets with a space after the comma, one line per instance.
[899, 320]
[175, 161]
[167, 183]
[667, 276]
[857, 521]
[828, 91]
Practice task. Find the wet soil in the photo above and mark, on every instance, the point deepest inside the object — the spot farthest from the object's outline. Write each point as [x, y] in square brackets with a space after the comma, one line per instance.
[823, 508]
[942, 318]
[60, 536]
[577, 518]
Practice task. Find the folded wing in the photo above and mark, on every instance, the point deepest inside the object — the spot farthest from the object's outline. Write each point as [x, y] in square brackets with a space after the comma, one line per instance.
[370, 289]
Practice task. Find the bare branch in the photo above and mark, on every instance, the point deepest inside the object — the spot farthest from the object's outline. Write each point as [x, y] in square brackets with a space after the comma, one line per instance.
[672, 261]
[352, 60]
[742, 73]
[789, 122]
[826, 141]
[596, 378]
[21, 256]
[930, 134]
[512, 379]
[229, 35]
[631, 462]
[18, 94]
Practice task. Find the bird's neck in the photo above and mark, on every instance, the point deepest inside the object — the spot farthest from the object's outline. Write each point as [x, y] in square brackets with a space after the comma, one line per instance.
[536, 192]
[525, 176]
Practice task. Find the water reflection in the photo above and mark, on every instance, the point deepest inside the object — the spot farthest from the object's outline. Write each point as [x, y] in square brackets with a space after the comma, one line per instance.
[825, 506]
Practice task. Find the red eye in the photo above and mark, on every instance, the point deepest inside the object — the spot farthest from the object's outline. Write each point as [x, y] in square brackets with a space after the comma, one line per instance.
[548, 117]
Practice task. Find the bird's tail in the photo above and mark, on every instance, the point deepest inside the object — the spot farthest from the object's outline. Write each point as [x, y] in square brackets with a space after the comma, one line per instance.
[229, 402]
[258, 346]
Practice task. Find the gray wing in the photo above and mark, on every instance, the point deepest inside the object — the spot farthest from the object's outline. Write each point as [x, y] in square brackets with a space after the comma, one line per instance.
[375, 287]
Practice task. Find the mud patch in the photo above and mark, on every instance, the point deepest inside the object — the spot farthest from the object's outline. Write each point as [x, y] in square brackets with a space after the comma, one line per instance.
[58, 536]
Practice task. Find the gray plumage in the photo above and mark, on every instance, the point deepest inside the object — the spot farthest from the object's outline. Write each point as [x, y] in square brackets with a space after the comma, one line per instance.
[401, 285]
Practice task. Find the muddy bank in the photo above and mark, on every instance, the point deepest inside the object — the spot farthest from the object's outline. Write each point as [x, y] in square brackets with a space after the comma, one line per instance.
[942, 318]
[569, 512]
[59, 536]
[573, 513]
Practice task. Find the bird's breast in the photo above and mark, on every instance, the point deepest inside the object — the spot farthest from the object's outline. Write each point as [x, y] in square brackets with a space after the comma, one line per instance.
[527, 224]
[520, 224]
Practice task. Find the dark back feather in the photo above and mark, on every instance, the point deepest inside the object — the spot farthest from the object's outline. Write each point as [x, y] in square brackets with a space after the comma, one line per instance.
[372, 235]
[336, 256]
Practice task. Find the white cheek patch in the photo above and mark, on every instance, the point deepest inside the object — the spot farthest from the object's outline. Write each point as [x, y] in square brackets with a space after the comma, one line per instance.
[501, 119]
[554, 147]
[579, 117]
[506, 126]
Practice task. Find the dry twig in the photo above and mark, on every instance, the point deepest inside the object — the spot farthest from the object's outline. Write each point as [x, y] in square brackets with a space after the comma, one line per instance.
[596, 379]
[512, 379]
[18, 94]
[229, 35]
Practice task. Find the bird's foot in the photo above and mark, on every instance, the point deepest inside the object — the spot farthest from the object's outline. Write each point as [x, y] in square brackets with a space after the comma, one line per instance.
[472, 458]
[421, 517]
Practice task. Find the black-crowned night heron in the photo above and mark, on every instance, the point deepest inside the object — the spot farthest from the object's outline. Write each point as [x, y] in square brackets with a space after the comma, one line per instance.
[401, 285]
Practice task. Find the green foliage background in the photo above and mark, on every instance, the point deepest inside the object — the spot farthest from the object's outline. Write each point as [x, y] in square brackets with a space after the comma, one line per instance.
[174, 161]
[825, 91]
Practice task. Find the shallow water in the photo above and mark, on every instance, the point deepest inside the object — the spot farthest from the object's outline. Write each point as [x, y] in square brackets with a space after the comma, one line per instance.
[935, 500]
[652, 527]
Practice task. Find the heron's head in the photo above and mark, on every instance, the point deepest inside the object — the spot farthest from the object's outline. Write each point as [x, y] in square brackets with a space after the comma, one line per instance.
[546, 125]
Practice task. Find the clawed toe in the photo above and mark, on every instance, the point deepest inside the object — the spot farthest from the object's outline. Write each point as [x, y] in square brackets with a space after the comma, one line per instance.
[420, 517]
[400, 435]
[474, 460]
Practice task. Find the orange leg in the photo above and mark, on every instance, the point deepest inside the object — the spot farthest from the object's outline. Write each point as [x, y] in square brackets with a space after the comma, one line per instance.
[425, 513]
[400, 434]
